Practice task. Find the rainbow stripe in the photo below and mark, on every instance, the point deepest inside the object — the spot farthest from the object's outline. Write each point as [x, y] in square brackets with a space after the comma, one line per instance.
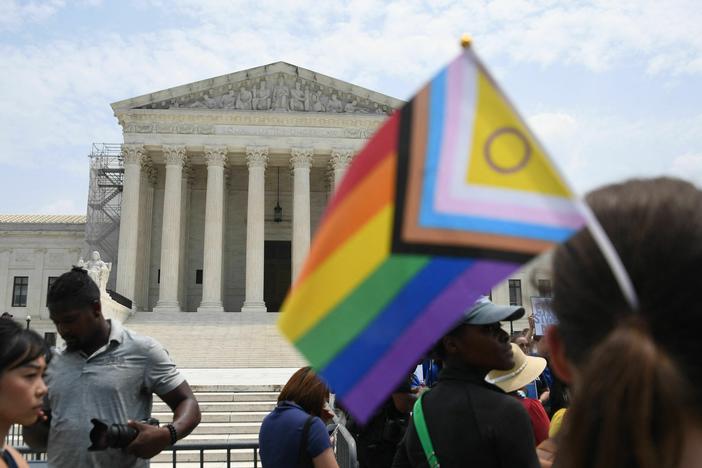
[418, 229]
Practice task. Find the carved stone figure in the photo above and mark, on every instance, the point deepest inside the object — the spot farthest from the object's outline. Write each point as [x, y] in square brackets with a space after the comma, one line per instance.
[228, 101]
[316, 104]
[262, 97]
[324, 100]
[243, 101]
[98, 271]
[350, 107]
[297, 98]
[211, 102]
[334, 104]
[281, 95]
[308, 99]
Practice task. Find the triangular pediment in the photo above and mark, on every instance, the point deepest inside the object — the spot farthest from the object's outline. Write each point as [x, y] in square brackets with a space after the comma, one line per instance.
[277, 87]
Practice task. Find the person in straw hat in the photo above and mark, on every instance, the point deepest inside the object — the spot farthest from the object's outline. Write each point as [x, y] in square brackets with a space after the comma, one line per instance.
[525, 370]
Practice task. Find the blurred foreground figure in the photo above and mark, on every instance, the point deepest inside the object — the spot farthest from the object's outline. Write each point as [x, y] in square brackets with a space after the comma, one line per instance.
[23, 356]
[635, 375]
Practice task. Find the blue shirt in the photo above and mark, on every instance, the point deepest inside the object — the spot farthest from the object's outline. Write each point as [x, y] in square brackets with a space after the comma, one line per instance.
[281, 430]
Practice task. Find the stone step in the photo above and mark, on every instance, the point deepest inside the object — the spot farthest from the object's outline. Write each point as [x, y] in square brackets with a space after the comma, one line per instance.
[225, 428]
[244, 455]
[223, 406]
[213, 416]
[220, 438]
[210, 464]
[219, 339]
[236, 396]
[237, 389]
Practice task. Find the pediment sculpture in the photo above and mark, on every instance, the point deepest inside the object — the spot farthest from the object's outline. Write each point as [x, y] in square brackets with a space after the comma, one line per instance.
[277, 93]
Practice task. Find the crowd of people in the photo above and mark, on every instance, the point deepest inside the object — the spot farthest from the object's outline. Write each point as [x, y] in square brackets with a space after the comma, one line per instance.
[610, 385]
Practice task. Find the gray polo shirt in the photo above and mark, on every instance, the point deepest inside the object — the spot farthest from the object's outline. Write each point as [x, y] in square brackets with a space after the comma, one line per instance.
[114, 384]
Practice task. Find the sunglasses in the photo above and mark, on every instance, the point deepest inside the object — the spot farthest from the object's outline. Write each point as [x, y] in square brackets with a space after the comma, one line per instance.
[493, 329]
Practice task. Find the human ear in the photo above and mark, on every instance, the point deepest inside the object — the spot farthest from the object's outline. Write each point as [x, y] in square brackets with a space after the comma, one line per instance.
[449, 344]
[558, 361]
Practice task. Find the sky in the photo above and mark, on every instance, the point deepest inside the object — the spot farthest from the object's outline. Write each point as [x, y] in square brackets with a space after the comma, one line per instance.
[613, 89]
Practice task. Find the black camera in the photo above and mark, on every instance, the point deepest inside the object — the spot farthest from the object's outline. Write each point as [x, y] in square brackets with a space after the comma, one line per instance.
[104, 436]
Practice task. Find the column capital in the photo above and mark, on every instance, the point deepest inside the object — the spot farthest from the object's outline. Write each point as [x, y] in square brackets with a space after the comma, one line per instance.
[301, 157]
[175, 155]
[147, 165]
[257, 156]
[340, 157]
[133, 153]
[216, 156]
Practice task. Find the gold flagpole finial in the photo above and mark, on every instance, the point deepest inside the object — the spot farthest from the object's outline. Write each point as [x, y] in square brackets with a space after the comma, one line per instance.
[466, 41]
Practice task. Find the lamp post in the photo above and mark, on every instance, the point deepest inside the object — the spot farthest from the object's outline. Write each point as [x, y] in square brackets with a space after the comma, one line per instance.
[29, 319]
[278, 210]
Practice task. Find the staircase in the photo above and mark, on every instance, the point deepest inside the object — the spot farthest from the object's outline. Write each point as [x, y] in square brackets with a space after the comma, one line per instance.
[219, 340]
[229, 413]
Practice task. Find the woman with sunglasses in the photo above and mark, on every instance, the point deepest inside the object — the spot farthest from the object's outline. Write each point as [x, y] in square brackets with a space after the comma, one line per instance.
[23, 356]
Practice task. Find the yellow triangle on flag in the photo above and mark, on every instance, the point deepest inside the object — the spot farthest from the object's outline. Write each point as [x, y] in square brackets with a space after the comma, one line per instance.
[504, 153]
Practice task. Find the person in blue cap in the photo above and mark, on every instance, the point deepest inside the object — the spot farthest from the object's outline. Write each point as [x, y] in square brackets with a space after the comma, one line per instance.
[468, 421]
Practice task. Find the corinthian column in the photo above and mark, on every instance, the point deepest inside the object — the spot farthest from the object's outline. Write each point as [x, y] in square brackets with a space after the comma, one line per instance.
[216, 158]
[170, 232]
[129, 221]
[256, 159]
[340, 160]
[300, 161]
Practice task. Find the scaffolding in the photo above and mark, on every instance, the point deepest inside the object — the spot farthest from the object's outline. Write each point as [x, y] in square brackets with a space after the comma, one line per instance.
[104, 201]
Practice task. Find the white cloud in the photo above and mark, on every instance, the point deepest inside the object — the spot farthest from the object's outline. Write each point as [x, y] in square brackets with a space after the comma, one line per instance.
[688, 166]
[55, 94]
[62, 206]
[16, 13]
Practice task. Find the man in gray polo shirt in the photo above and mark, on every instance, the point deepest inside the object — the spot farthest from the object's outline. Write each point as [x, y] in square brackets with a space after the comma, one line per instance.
[105, 372]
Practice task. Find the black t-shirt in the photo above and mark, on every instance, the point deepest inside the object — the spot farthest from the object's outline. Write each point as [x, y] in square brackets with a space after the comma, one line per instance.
[385, 422]
[471, 424]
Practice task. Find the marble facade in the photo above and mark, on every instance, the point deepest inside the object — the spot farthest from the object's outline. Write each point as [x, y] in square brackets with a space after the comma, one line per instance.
[205, 164]
[39, 248]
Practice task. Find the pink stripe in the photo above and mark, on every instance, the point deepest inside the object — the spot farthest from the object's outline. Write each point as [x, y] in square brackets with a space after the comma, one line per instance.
[439, 317]
[452, 121]
[510, 212]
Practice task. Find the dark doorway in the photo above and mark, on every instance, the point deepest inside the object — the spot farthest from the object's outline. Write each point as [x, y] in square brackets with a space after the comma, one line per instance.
[277, 268]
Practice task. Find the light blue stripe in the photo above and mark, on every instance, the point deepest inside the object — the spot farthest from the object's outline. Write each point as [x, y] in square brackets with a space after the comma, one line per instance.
[494, 226]
[437, 99]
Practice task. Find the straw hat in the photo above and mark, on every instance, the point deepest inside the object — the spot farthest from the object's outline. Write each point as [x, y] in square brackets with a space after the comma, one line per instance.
[526, 369]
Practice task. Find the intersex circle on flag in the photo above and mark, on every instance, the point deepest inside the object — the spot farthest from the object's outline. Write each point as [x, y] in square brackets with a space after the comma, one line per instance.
[523, 160]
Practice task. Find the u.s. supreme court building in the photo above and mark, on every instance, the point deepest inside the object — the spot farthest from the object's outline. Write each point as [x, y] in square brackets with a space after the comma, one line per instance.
[224, 182]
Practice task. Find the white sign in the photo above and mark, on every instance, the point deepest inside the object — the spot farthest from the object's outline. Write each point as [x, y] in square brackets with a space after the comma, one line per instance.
[543, 314]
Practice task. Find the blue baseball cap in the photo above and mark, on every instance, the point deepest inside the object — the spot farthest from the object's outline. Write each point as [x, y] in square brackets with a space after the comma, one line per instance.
[485, 312]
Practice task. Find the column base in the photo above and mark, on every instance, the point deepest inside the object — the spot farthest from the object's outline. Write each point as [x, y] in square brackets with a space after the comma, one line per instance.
[210, 307]
[167, 306]
[254, 306]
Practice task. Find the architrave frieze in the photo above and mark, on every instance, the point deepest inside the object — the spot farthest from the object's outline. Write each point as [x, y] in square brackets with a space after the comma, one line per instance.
[166, 121]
